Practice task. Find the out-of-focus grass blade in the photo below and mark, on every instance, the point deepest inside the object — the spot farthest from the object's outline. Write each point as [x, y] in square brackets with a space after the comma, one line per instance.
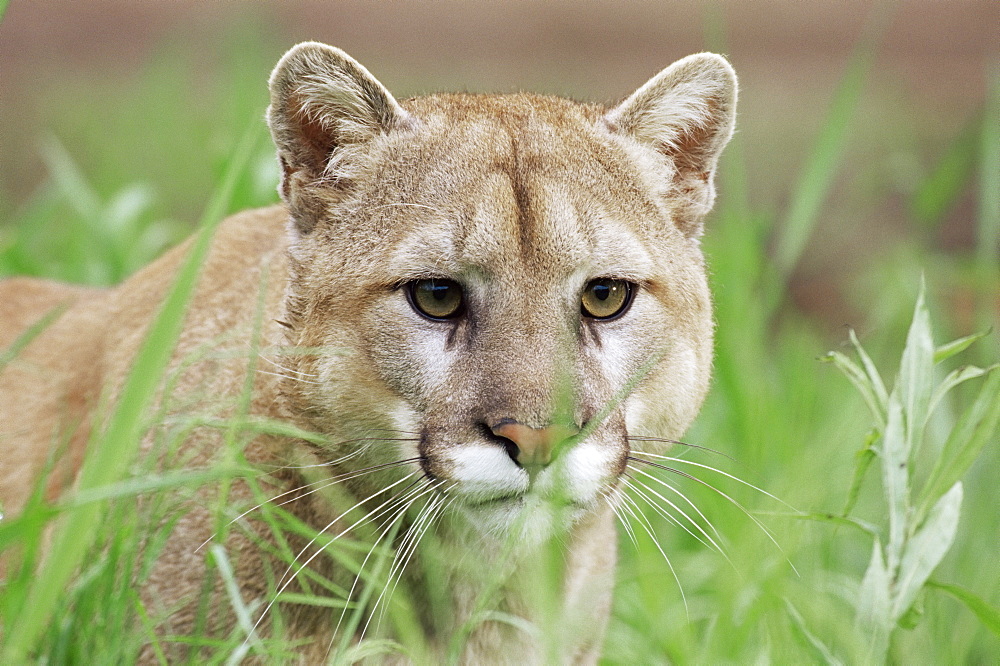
[821, 652]
[238, 605]
[863, 460]
[841, 521]
[356, 616]
[71, 182]
[110, 452]
[989, 183]
[23, 340]
[949, 179]
[987, 614]
[820, 169]
[3, 8]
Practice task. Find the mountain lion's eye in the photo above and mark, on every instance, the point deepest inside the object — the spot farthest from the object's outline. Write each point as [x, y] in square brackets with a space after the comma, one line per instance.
[436, 299]
[605, 298]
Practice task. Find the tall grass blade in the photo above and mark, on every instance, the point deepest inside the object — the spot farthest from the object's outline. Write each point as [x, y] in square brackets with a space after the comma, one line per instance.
[23, 340]
[821, 652]
[863, 461]
[988, 243]
[243, 618]
[111, 452]
[949, 179]
[821, 168]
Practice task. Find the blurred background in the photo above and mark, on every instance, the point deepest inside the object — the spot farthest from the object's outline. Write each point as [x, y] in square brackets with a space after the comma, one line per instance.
[867, 155]
[182, 77]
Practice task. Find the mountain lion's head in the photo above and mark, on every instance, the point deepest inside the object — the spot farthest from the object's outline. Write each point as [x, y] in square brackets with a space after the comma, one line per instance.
[515, 281]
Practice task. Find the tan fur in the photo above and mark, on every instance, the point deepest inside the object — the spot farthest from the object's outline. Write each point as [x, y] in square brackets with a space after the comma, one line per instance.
[521, 199]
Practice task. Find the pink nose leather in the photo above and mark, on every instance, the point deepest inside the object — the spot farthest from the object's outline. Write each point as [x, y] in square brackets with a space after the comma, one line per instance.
[534, 445]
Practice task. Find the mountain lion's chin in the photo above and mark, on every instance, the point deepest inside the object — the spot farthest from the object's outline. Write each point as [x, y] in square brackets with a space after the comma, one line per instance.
[525, 520]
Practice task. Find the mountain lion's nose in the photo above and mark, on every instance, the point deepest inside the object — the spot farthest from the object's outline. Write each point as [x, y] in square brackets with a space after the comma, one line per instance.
[534, 445]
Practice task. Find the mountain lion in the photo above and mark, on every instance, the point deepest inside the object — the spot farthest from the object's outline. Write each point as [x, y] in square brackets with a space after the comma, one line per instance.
[483, 305]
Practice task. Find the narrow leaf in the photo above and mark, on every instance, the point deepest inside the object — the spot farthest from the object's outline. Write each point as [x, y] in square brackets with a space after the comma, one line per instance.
[916, 373]
[954, 378]
[949, 179]
[874, 605]
[240, 609]
[973, 430]
[925, 550]
[895, 480]
[873, 375]
[954, 347]
[855, 523]
[861, 382]
[817, 175]
[988, 236]
[863, 460]
[24, 339]
[987, 614]
[820, 650]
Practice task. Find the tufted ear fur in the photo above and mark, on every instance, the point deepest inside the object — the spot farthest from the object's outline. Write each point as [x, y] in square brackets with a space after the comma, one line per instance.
[687, 113]
[324, 106]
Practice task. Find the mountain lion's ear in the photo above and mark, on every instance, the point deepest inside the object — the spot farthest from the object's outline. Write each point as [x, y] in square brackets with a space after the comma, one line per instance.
[686, 112]
[323, 103]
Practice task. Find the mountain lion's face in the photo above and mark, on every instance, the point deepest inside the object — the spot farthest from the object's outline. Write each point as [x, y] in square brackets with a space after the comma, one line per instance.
[510, 285]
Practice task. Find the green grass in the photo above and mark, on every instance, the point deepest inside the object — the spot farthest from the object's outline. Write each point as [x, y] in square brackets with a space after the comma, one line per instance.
[828, 588]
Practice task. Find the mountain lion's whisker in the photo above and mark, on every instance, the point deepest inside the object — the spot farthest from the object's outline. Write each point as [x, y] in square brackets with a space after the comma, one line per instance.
[284, 376]
[404, 432]
[623, 519]
[732, 501]
[644, 492]
[400, 507]
[713, 469]
[627, 505]
[312, 557]
[330, 463]
[637, 438]
[290, 370]
[672, 488]
[425, 519]
[407, 204]
[368, 517]
[352, 454]
[314, 487]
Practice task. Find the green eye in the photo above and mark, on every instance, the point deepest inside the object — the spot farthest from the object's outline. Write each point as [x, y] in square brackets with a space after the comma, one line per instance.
[436, 299]
[605, 298]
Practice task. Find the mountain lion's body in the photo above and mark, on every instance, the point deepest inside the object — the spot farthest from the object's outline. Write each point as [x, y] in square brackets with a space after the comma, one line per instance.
[498, 290]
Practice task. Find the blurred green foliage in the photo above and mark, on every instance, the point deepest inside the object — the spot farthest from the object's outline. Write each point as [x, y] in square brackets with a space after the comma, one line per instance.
[793, 427]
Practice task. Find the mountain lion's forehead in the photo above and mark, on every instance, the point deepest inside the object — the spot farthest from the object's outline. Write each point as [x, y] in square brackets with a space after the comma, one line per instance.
[525, 223]
[520, 182]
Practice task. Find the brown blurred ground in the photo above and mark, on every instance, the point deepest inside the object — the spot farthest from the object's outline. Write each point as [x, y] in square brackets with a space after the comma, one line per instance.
[931, 70]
